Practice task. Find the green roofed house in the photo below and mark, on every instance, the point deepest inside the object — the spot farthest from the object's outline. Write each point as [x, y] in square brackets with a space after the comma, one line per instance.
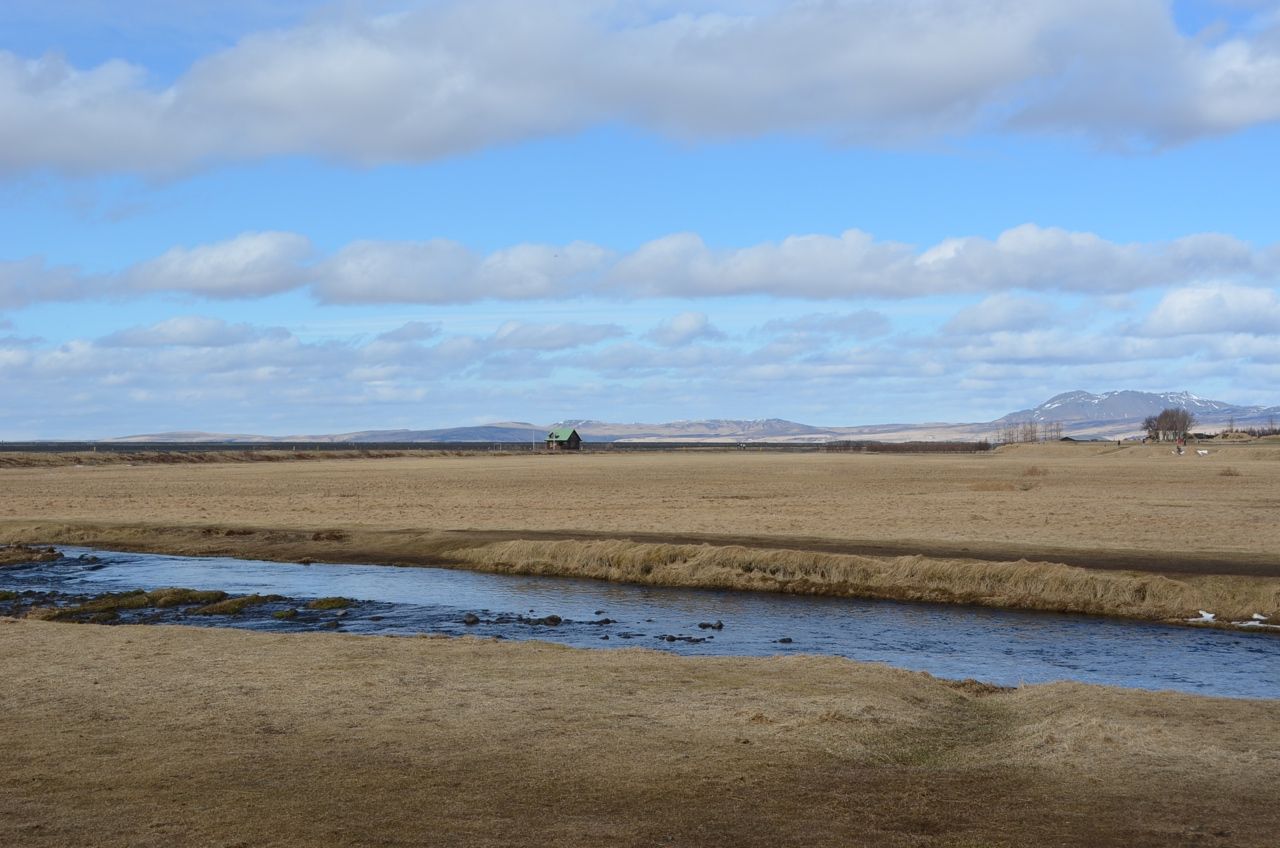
[564, 438]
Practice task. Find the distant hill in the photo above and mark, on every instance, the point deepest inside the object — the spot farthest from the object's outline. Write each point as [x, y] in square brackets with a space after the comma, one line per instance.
[1110, 415]
[1122, 412]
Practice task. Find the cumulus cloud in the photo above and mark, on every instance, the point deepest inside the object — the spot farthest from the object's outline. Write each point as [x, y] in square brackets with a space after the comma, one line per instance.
[517, 335]
[855, 264]
[195, 371]
[188, 331]
[1001, 312]
[864, 323]
[851, 265]
[411, 331]
[249, 265]
[27, 281]
[1215, 309]
[443, 78]
[684, 328]
[444, 271]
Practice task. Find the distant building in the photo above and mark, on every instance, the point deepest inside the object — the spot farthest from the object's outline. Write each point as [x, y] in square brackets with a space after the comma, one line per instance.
[564, 438]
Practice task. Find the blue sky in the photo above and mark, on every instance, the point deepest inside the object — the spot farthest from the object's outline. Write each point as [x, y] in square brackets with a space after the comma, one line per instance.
[295, 217]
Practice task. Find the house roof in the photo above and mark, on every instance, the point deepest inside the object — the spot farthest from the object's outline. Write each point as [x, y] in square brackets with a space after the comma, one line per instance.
[561, 434]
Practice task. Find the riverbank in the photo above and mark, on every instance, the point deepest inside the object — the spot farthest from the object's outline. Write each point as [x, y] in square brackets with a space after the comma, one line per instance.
[1019, 585]
[158, 736]
[1129, 531]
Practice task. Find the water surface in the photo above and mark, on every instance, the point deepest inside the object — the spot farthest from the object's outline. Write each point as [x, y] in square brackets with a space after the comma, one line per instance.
[996, 646]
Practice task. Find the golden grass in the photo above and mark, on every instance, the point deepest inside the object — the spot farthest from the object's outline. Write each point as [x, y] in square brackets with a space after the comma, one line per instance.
[106, 607]
[1108, 498]
[16, 554]
[235, 606]
[1014, 585]
[134, 736]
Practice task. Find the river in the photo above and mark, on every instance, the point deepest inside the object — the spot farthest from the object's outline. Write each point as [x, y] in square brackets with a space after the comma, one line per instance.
[996, 646]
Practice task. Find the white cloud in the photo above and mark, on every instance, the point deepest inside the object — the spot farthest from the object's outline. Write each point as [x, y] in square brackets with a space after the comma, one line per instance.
[188, 331]
[1215, 309]
[1001, 312]
[27, 281]
[852, 265]
[249, 265]
[411, 331]
[443, 271]
[864, 323]
[517, 335]
[684, 328]
[453, 76]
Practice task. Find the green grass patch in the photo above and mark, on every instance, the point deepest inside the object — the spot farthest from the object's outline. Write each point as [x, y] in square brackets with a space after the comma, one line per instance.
[235, 606]
[181, 597]
[115, 601]
[330, 603]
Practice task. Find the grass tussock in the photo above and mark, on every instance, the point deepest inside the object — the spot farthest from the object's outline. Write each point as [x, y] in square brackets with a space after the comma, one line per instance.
[329, 603]
[235, 606]
[182, 597]
[1035, 471]
[1229, 472]
[1015, 585]
[22, 554]
[107, 607]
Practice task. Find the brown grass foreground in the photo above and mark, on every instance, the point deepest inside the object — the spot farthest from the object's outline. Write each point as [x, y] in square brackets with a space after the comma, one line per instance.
[144, 736]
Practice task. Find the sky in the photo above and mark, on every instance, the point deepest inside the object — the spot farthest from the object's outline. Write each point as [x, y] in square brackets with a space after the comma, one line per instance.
[284, 217]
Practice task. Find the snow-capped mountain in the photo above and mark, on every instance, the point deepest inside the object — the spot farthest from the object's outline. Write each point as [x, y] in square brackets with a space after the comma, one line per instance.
[1131, 407]
[1109, 415]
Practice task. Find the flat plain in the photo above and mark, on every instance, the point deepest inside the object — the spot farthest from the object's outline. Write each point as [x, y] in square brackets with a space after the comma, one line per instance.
[1070, 498]
[158, 736]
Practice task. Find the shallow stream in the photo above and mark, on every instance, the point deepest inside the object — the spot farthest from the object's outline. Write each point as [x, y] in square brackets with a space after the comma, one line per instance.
[996, 646]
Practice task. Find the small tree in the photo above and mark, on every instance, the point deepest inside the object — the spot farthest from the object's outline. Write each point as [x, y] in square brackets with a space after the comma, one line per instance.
[1171, 424]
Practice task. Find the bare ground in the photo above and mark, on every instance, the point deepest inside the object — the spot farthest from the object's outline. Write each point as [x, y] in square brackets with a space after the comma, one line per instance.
[160, 736]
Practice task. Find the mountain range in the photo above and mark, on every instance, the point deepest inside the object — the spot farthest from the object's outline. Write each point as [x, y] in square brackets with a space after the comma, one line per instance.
[1110, 415]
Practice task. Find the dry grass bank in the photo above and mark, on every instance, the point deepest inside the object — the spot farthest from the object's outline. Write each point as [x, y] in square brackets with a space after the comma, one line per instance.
[164, 736]
[1012, 585]
[1024, 585]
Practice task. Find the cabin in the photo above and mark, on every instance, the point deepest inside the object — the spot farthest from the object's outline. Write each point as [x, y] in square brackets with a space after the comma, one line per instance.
[564, 438]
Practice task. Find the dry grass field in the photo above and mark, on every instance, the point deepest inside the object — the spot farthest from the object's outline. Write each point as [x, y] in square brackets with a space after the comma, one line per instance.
[1069, 497]
[1201, 530]
[158, 736]
[147, 736]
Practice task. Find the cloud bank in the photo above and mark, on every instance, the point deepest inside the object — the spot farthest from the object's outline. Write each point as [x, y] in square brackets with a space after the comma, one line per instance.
[852, 265]
[450, 77]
